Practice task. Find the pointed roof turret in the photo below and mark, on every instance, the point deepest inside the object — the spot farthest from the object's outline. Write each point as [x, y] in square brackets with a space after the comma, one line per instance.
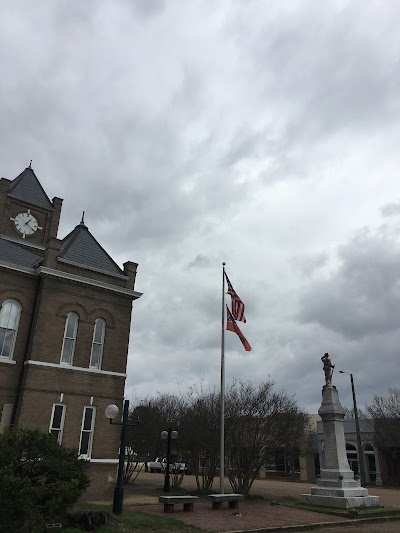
[27, 187]
[81, 247]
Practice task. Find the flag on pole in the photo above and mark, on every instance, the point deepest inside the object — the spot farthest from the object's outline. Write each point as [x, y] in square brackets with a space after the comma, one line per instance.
[237, 304]
[232, 326]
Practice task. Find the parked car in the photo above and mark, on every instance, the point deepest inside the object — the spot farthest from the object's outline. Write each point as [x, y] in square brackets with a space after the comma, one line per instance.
[158, 465]
[183, 467]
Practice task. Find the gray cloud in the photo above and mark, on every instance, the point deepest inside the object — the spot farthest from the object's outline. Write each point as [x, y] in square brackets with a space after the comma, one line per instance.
[361, 298]
[200, 261]
[307, 265]
[263, 136]
[391, 209]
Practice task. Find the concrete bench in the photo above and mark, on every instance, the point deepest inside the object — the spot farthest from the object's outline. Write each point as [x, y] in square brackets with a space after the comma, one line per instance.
[233, 500]
[170, 501]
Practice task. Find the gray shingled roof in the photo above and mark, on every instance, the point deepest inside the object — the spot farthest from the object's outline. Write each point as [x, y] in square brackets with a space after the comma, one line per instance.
[81, 247]
[18, 254]
[27, 187]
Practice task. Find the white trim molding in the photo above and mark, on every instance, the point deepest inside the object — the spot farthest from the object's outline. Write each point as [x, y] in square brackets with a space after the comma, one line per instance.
[104, 461]
[7, 360]
[86, 281]
[75, 368]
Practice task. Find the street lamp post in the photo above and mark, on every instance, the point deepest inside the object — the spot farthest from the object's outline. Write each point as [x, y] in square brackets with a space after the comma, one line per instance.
[358, 433]
[168, 435]
[111, 413]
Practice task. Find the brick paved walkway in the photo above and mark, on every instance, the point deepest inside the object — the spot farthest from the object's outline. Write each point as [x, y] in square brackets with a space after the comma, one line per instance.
[251, 515]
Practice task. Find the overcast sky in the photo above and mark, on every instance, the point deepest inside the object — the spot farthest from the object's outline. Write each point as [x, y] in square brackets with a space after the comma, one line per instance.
[262, 133]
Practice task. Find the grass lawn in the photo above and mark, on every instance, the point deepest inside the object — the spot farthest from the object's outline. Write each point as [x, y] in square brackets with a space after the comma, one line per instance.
[135, 521]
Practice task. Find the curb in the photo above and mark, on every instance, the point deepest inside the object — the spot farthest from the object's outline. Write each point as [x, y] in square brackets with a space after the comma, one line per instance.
[319, 525]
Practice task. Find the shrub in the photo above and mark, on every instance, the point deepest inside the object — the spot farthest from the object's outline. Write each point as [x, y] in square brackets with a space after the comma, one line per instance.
[40, 480]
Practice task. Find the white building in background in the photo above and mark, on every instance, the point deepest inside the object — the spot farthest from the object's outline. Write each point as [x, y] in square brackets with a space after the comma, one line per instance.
[371, 453]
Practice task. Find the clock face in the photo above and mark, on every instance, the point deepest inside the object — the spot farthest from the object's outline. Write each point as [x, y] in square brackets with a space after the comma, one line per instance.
[26, 223]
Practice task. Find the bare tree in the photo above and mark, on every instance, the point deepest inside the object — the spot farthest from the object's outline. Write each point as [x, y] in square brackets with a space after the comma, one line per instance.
[158, 414]
[349, 413]
[201, 427]
[258, 421]
[196, 418]
[133, 465]
[385, 411]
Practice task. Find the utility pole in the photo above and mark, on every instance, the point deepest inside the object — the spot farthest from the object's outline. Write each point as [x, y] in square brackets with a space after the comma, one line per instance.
[361, 469]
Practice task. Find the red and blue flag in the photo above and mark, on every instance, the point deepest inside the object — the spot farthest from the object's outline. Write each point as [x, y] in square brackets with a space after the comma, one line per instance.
[232, 326]
[237, 304]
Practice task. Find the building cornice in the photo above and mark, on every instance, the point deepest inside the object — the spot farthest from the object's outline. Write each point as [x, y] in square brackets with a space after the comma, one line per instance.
[75, 368]
[18, 268]
[45, 271]
[85, 267]
[51, 272]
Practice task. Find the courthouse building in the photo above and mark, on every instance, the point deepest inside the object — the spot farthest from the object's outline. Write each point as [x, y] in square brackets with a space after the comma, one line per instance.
[64, 326]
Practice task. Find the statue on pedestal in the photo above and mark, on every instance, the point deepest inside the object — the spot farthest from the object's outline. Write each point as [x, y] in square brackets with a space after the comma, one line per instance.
[336, 485]
[328, 368]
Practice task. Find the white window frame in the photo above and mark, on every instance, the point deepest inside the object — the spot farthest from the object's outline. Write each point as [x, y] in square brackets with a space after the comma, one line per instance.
[91, 431]
[19, 306]
[74, 339]
[61, 428]
[103, 334]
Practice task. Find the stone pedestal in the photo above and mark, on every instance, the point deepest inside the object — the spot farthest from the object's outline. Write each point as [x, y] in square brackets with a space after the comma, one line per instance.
[336, 487]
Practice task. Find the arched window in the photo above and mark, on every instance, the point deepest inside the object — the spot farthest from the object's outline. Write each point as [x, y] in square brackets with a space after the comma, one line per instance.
[97, 343]
[352, 457]
[68, 347]
[9, 320]
[370, 462]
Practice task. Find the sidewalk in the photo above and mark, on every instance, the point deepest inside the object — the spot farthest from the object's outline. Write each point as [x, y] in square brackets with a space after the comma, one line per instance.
[253, 514]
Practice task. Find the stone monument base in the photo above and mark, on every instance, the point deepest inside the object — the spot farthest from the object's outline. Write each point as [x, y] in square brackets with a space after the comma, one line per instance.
[344, 502]
[338, 488]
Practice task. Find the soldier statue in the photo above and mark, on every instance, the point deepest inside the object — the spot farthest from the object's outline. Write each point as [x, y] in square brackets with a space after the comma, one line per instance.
[328, 368]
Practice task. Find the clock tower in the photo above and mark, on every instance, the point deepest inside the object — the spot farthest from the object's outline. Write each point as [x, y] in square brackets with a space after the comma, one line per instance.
[27, 213]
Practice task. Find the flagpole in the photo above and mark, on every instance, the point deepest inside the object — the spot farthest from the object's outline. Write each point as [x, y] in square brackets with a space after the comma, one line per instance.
[222, 437]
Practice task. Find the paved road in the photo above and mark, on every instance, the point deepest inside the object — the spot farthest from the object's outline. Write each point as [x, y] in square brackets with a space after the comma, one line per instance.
[387, 527]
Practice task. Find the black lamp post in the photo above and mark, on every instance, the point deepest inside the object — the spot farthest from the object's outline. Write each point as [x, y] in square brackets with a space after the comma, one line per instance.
[359, 447]
[168, 435]
[111, 413]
